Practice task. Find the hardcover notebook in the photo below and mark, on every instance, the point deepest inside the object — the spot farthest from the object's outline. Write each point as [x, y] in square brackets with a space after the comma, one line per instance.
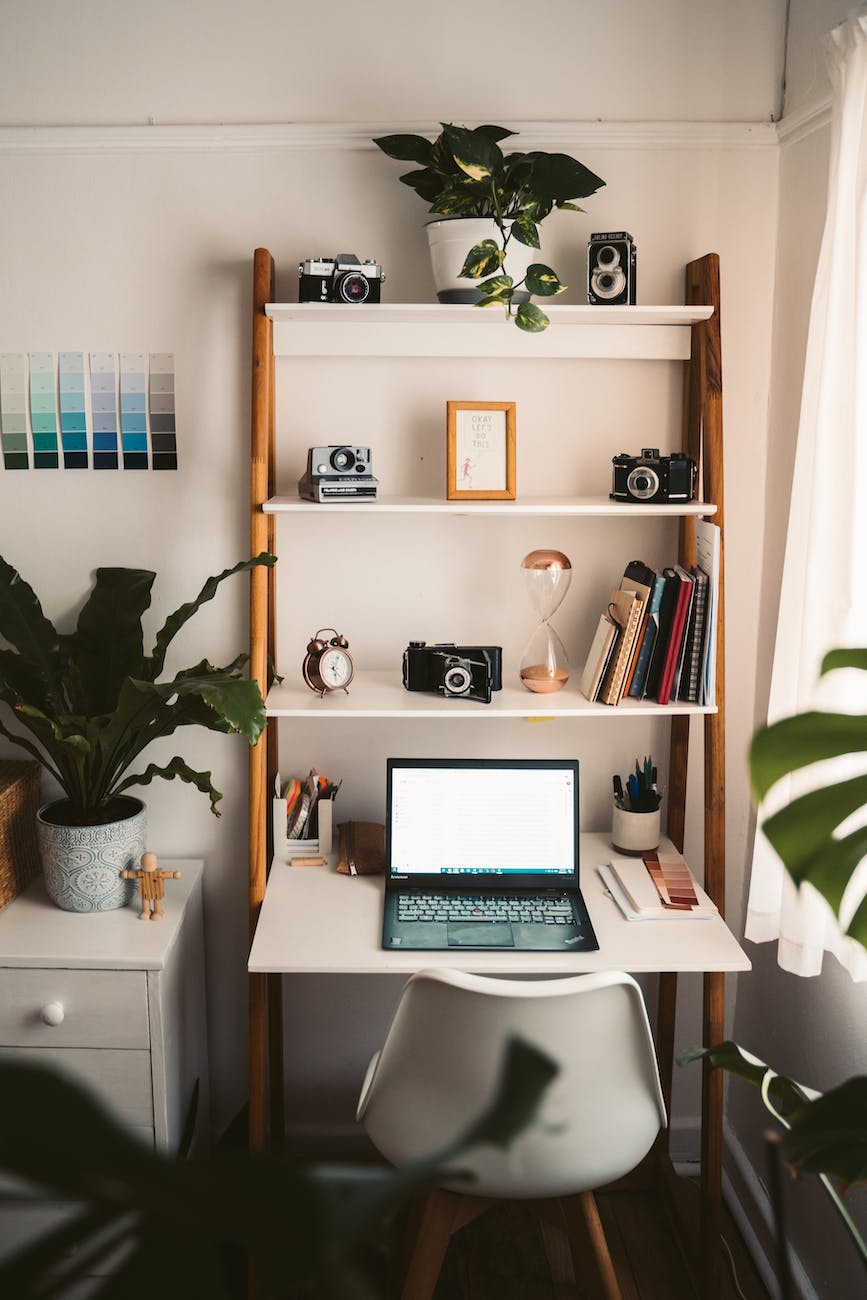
[483, 854]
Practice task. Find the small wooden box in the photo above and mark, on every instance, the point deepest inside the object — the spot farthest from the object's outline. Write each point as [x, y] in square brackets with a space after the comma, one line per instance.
[20, 799]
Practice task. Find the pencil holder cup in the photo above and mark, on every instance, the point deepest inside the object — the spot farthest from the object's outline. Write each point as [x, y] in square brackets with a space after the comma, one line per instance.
[634, 833]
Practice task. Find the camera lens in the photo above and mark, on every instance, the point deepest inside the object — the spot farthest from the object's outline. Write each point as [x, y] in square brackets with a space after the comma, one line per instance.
[642, 483]
[607, 256]
[342, 459]
[608, 283]
[457, 678]
[353, 287]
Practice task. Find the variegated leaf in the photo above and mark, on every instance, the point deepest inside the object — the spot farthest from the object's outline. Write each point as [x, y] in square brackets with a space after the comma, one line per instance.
[525, 231]
[483, 259]
[529, 317]
[541, 280]
[497, 287]
[474, 152]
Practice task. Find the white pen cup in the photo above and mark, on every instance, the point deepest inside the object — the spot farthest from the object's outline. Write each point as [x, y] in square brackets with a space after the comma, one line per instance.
[634, 833]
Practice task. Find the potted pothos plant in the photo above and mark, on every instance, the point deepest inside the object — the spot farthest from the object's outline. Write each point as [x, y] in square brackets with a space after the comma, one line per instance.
[464, 173]
[822, 1133]
[85, 704]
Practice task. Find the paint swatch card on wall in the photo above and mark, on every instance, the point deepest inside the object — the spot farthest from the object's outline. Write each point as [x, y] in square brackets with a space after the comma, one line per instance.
[161, 399]
[103, 407]
[43, 410]
[133, 410]
[13, 410]
[73, 417]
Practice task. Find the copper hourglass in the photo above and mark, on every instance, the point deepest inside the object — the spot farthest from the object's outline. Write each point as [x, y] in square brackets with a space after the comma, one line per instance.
[545, 665]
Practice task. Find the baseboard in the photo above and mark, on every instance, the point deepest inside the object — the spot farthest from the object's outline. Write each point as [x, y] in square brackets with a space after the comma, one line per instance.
[750, 1207]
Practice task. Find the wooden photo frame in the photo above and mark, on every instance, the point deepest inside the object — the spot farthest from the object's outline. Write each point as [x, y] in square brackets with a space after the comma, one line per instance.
[480, 451]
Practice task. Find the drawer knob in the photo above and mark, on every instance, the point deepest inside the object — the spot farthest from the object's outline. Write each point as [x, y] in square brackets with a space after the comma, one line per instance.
[53, 1013]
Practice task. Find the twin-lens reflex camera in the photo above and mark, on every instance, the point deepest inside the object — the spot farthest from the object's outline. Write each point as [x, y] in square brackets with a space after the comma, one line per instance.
[469, 672]
[651, 477]
[342, 278]
[611, 269]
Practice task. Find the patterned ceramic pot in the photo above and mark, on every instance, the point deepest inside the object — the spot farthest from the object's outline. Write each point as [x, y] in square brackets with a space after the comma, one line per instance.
[82, 864]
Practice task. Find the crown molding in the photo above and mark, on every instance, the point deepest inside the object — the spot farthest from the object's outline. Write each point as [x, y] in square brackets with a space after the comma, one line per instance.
[315, 136]
[797, 126]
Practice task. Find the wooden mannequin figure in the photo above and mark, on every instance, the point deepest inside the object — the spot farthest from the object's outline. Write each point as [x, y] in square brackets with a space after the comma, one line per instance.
[151, 882]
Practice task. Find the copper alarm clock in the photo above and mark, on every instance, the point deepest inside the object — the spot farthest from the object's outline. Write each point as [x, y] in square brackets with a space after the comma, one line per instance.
[328, 664]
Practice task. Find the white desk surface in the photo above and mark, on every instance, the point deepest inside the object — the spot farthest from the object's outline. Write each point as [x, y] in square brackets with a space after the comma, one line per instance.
[36, 932]
[290, 939]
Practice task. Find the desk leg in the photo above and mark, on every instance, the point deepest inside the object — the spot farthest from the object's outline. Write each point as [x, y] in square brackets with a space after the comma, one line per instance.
[712, 1140]
[276, 1085]
[258, 1057]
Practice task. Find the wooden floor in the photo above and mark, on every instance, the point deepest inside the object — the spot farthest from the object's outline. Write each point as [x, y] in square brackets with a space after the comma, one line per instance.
[501, 1256]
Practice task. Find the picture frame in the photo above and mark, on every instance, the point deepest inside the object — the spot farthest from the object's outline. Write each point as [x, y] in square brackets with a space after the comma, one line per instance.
[480, 451]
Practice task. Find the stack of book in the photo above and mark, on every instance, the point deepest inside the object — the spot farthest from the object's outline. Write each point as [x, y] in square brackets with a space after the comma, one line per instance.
[656, 640]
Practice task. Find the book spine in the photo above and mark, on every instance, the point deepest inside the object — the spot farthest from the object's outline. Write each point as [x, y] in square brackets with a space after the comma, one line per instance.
[697, 636]
[613, 688]
[673, 649]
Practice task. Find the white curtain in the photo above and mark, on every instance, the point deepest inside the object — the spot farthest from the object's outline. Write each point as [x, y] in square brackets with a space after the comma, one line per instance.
[823, 599]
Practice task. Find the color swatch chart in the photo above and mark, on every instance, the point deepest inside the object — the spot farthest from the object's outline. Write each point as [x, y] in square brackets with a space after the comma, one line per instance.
[96, 410]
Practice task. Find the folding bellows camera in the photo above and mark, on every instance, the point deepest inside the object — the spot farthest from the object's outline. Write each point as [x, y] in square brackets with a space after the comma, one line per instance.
[338, 473]
[469, 672]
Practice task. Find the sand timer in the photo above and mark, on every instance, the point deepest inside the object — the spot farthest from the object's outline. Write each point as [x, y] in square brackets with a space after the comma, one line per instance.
[545, 665]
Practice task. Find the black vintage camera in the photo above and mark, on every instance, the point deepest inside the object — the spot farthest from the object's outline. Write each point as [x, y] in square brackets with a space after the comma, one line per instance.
[651, 477]
[468, 672]
[611, 269]
[339, 279]
[338, 473]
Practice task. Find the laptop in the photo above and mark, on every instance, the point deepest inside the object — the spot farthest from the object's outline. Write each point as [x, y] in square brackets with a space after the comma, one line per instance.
[482, 854]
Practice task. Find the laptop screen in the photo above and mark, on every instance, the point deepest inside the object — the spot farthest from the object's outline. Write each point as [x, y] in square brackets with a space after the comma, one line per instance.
[464, 818]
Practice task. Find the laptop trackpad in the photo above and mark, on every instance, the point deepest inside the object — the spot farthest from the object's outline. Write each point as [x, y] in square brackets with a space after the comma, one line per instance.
[480, 934]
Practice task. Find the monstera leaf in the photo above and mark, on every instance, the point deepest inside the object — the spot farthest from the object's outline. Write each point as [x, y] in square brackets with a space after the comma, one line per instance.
[805, 831]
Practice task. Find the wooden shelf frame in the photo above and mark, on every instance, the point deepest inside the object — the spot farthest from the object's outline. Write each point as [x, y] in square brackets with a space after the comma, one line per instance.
[690, 334]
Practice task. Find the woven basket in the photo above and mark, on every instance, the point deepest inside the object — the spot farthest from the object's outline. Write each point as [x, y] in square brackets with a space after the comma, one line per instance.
[20, 798]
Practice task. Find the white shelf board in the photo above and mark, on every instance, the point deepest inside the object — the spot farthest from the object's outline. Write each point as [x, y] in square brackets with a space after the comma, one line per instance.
[381, 694]
[436, 330]
[548, 506]
[289, 940]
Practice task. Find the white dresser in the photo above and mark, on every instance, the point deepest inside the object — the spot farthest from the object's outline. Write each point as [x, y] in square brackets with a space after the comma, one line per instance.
[118, 1002]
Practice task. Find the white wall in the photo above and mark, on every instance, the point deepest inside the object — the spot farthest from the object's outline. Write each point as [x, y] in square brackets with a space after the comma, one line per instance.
[811, 1029]
[119, 240]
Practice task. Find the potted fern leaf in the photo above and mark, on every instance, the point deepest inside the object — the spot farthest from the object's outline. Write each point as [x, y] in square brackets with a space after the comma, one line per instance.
[86, 704]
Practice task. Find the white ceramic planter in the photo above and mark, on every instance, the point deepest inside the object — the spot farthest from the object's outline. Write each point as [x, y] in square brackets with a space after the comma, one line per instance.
[451, 238]
[633, 833]
[82, 865]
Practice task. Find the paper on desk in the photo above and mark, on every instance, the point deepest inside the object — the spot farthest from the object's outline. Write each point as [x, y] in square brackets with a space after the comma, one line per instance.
[612, 884]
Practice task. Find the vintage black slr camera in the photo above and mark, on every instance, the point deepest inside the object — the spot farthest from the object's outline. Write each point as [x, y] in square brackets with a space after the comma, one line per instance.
[338, 473]
[611, 269]
[651, 477]
[339, 279]
[468, 672]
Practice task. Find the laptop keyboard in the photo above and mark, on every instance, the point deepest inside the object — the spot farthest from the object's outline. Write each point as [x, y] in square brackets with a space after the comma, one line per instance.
[543, 909]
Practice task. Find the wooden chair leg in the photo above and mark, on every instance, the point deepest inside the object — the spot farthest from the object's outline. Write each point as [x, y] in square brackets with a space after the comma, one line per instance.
[443, 1213]
[594, 1269]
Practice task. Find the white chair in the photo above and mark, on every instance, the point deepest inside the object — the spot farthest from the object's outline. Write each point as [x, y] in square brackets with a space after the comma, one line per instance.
[438, 1067]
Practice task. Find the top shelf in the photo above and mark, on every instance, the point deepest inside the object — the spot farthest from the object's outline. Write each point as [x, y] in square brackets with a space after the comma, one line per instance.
[313, 329]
